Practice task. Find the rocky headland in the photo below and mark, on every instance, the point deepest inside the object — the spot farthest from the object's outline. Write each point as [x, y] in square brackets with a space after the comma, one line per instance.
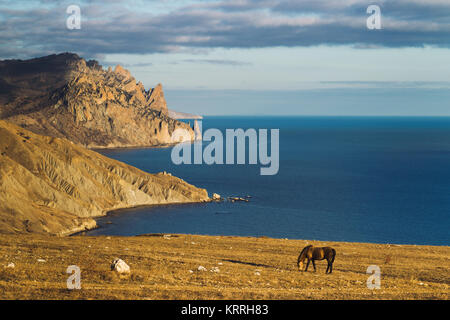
[183, 115]
[65, 96]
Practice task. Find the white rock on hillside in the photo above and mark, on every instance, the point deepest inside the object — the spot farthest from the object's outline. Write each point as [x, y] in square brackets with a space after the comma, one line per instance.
[120, 266]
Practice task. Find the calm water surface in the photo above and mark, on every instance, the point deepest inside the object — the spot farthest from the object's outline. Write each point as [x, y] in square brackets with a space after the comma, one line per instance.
[383, 180]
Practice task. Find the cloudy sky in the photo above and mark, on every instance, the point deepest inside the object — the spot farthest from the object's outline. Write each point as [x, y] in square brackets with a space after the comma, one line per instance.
[306, 57]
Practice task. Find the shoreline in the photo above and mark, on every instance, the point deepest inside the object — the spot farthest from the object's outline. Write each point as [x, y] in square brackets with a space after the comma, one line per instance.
[133, 147]
[255, 237]
[117, 210]
[109, 213]
[120, 211]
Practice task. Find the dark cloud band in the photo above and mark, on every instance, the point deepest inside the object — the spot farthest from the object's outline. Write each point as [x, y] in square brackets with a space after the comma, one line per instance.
[30, 29]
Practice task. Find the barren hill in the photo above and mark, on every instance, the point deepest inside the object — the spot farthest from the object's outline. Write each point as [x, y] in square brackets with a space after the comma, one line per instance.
[51, 185]
[66, 96]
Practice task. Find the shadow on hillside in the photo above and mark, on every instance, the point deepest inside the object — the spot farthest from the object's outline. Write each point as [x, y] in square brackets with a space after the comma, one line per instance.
[249, 263]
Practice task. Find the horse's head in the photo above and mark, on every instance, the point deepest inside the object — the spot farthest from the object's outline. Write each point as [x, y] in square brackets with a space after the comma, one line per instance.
[302, 257]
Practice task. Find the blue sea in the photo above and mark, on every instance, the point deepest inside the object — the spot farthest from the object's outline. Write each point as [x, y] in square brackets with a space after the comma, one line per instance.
[355, 179]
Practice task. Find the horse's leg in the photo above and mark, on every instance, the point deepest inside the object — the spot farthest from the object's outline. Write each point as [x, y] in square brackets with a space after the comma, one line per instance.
[307, 265]
[331, 267]
[314, 265]
[328, 267]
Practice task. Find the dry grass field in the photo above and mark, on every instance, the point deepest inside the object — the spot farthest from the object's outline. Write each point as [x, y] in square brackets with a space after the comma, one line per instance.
[166, 267]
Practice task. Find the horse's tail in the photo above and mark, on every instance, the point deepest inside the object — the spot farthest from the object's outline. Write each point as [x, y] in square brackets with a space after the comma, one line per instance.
[301, 254]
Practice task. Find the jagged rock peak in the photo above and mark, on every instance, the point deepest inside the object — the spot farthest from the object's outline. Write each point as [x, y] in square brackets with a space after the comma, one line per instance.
[122, 71]
[156, 98]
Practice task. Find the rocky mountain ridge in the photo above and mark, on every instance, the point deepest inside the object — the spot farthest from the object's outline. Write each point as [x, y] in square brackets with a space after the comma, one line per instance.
[66, 96]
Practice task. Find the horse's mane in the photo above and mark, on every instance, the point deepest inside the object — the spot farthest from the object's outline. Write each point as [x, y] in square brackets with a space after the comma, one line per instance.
[304, 250]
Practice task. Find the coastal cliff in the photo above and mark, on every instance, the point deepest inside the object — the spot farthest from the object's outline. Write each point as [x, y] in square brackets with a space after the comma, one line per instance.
[53, 186]
[66, 96]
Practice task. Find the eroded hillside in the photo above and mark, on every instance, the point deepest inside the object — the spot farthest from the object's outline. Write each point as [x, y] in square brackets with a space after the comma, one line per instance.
[51, 185]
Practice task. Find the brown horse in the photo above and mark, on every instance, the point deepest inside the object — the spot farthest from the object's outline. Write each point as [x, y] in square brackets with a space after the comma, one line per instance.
[311, 253]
